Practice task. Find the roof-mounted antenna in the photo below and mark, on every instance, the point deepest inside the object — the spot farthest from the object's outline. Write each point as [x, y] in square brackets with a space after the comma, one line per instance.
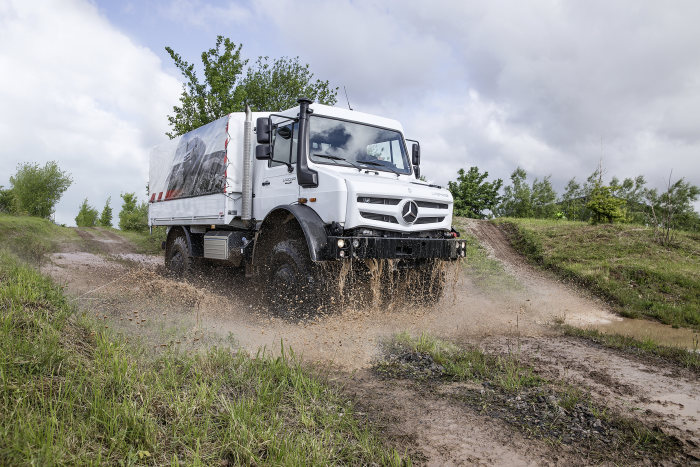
[346, 97]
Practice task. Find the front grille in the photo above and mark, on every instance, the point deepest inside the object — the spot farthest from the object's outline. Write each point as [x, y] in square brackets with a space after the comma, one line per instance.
[379, 217]
[429, 220]
[431, 205]
[375, 200]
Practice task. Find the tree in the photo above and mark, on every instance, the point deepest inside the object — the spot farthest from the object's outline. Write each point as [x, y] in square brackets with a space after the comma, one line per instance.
[276, 86]
[7, 201]
[473, 196]
[133, 216]
[87, 215]
[106, 215]
[266, 86]
[604, 205]
[572, 201]
[672, 209]
[517, 198]
[36, 190]
[543, 198]
[632, 191]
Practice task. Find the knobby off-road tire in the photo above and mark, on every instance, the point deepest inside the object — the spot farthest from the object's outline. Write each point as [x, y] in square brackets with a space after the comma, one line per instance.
[178, 258]
[296, 286]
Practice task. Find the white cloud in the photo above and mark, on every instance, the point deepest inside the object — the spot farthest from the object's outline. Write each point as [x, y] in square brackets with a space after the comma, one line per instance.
[363, 45]
[204, 15]
[77, 91]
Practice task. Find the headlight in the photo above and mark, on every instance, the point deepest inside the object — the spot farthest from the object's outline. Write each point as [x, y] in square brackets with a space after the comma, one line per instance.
[341, 243]
[355, 243]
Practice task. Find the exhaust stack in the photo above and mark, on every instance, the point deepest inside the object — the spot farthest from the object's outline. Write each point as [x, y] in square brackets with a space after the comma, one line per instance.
[247, 195]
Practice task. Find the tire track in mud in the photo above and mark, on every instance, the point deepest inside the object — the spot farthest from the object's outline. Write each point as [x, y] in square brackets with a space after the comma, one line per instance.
[220, 307]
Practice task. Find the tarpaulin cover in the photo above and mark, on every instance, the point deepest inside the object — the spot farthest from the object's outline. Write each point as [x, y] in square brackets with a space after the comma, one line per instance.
[193, 164]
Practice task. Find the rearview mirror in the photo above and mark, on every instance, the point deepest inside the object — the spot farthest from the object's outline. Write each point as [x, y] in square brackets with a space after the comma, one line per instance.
[262, 130]
[263, 152]
[415, 156]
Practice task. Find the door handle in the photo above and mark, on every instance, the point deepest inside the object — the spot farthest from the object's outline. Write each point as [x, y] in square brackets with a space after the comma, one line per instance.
[265, 183]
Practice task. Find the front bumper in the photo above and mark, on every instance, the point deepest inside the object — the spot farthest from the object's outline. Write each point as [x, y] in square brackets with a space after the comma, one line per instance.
[395, 248]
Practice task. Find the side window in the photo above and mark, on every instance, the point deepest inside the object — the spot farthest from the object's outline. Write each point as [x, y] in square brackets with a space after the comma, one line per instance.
[284, 146]
[397, 154]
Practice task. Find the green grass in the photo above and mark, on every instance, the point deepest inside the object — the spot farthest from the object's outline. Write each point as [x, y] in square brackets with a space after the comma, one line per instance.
[620, 262]
[144, 242]
[31, 238]
[462, 364]
[71, 393]
[679, 356]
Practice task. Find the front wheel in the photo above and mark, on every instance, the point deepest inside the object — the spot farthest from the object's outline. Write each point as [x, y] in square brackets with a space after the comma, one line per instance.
[292, 284]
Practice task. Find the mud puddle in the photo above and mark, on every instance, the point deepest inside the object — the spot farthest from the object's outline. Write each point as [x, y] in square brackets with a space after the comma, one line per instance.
[642, 329]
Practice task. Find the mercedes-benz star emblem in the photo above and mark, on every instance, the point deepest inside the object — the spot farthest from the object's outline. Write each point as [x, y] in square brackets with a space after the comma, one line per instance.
[409, 212]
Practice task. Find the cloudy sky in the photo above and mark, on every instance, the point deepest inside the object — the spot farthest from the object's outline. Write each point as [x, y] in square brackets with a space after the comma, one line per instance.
[552, 86]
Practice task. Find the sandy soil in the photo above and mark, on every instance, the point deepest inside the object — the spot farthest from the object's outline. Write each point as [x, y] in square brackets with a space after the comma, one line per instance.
[132, 296]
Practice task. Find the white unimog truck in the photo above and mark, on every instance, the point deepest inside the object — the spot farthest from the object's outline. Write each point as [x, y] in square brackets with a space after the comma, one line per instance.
[332, 196]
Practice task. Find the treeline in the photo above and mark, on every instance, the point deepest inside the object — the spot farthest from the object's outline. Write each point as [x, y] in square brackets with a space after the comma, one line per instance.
[133, 215]
[35, 191]
[591, 200]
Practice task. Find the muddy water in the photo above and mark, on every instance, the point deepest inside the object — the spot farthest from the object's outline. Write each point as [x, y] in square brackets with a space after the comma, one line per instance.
[642, 329]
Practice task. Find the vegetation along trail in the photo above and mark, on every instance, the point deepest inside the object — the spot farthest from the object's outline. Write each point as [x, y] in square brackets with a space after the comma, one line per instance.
[499, 304]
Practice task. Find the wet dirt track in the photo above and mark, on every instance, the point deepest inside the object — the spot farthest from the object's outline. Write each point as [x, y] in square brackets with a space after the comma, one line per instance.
[131, 295]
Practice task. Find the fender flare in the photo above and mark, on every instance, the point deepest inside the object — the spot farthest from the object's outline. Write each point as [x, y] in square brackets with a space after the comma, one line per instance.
[311, 225]
[195, 250]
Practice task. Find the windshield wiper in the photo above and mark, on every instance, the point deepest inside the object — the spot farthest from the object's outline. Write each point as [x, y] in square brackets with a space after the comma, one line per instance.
[336, 159]
[378, 164]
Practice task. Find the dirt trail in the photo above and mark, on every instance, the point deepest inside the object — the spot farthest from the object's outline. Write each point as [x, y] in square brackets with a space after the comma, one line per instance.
[130, 293]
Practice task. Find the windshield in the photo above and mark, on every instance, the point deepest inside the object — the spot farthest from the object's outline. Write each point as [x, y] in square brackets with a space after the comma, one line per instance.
[349, 143]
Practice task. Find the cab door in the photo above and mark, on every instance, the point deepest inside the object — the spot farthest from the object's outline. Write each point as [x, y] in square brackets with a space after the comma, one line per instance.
[277, 184]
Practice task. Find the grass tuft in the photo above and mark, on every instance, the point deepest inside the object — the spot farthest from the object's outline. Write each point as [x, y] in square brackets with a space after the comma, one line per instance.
[409, 355]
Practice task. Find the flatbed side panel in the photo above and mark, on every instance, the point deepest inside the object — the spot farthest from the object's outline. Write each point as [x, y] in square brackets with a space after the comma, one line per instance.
[197, 210]
[193, 164]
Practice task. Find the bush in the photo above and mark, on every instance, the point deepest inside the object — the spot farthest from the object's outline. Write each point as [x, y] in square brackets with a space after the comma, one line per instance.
[605, 206]
[7, 201]
[106, 216]
[36, 190]
[133, 216]
[87, 216]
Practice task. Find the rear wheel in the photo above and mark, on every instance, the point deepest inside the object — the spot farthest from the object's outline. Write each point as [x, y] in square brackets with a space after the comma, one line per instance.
[178, 257]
